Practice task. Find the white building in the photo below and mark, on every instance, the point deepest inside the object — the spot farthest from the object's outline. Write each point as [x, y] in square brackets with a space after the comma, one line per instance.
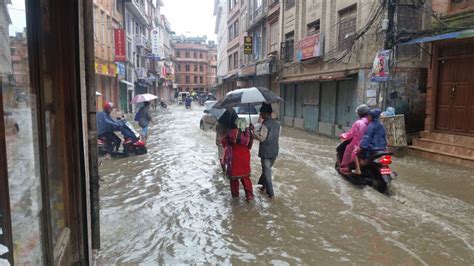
[5, 56]
[220, 12]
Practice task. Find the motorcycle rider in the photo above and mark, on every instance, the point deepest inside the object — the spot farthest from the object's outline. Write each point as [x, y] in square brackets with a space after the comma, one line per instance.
[354, 135]
[188, 101]
[106, 127]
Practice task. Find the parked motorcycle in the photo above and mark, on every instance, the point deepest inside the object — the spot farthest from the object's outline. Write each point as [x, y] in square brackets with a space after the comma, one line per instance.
[132, 145]
[375, 173]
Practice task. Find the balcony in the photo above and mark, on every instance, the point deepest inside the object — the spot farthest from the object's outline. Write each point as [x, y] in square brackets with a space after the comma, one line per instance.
[257, 15]
[138, 10]
[141, 41]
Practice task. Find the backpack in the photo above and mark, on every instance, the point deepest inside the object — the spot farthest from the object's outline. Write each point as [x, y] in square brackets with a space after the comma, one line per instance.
[138, 115]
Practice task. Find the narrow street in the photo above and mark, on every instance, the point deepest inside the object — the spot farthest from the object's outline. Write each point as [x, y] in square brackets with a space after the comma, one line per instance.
[173, 205]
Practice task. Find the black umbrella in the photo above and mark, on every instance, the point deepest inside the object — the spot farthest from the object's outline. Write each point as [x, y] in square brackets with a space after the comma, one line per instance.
[251, 96]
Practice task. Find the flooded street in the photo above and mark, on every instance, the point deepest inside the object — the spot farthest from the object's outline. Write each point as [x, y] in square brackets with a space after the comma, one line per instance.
[173, 205]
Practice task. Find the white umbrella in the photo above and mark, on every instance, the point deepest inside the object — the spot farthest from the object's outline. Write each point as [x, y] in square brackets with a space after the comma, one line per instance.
[251, 96]
[98, 93]
[146, 97]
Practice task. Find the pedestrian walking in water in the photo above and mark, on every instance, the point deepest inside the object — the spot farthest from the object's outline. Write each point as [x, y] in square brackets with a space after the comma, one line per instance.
[144, 118]
[237, 144]
[224, 125]
[268, 135]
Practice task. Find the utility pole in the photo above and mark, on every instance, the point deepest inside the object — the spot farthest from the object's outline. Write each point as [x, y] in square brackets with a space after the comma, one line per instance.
[389, 44]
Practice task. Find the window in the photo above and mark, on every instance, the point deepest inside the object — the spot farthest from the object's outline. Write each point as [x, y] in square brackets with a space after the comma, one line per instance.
[178, 54]
[408, 20]
[236, 28]
[195, 79]
[257, 39]
[290, 4]
[232, 4]
[201, 68]
[236, 60]
[288, 47]
[195, 68]
[187, 54]
[200, 55]
[201, 79]
[188, 80]
[179, 67]
[313, 27]
[188, 68]
[347, 28]
[231, 32]
[230, 62]
[102, 26]
[274, 36]
[195, 55]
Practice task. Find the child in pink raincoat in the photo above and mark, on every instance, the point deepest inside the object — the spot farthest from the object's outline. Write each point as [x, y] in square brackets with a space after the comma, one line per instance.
[355, 135]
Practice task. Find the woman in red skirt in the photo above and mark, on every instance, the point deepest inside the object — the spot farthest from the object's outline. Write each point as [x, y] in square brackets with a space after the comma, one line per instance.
[237, 144]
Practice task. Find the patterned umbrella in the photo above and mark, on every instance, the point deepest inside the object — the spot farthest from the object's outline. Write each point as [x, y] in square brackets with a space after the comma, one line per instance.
[139, 98]
[250, 96]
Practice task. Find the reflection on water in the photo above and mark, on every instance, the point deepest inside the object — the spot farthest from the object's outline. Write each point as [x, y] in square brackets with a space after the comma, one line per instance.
[173, 205]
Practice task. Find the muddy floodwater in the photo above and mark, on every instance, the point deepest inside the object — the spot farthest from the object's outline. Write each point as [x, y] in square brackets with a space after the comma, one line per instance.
[173, 205]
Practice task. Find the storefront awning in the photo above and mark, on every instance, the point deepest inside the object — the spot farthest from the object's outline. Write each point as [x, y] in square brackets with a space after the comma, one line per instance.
[444, 36]
[341, 75]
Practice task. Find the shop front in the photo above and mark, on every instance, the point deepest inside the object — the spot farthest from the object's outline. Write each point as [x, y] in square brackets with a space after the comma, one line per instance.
[45, 216]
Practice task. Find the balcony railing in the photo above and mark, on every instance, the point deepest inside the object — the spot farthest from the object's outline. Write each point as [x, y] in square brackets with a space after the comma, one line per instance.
[257, 15]
[138, 11]
[141, 41]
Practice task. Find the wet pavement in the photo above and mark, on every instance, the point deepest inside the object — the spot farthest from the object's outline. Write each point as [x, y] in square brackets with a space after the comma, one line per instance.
[173, 205]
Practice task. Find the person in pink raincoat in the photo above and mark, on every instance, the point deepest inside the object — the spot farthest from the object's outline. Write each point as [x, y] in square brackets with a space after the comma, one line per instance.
[355, 135]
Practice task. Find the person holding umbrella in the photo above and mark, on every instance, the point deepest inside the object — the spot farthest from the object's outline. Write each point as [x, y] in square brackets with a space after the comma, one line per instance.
[268, 135]
[144, 119]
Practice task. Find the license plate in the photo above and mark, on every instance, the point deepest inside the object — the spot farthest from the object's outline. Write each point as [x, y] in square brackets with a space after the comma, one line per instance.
[385, 171]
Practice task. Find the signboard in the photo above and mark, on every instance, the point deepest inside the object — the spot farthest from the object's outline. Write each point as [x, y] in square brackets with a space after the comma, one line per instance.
[248, 45]
[120, 69]
[155, 41]
[263, 69]
[106, 69]
[309, 47]
[120, 51]
[380, 68]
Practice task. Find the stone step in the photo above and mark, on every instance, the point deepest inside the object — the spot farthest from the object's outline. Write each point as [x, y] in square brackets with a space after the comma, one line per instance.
[466, 141]
[453, 149]
[440, 156]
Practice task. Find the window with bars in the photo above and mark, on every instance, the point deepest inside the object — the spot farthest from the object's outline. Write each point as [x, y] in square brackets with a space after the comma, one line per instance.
[188, 79]
[188, 68]
[313, 27]
[409, 19]
[347, 27]
[236, 60]
[288, 47]
[195, 68]
[195, 79]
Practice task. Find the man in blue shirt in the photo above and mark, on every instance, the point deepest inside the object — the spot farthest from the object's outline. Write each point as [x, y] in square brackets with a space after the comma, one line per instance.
[106, 127]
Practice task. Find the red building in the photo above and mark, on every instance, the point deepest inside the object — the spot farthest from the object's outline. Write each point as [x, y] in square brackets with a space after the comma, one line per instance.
[195, 63]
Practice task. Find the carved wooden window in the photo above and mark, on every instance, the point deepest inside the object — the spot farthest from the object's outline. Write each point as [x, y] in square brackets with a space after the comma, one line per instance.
[409, 19]
[347, 27]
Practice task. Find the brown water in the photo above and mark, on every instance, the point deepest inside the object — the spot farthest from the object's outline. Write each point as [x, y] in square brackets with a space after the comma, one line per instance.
[174, 206]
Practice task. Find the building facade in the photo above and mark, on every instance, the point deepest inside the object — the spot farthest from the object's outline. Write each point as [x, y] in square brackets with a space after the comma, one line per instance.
[195, 63]
[220, 13]
[449, 122]
[5, 57]
[108, 16]
[327, 53]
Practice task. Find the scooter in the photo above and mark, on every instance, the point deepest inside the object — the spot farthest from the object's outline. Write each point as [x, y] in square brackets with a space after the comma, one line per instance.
[375, 173]
[131, 142]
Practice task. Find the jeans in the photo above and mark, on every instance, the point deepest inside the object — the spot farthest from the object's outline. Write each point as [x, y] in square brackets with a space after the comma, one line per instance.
[266, 177]
[113, 142]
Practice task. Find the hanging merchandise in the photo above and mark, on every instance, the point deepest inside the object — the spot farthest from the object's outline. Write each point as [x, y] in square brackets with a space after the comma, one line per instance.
[381, 66]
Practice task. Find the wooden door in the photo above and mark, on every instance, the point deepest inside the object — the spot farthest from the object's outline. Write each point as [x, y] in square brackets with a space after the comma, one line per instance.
[455, 96]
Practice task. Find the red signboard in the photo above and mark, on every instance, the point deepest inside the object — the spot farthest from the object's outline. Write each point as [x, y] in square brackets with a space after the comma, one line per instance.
[309, 47]
[120, 52]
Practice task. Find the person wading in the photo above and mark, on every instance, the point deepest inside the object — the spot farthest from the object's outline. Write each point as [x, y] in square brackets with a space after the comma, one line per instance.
[268, 135]
[144, 118]
[237, 144]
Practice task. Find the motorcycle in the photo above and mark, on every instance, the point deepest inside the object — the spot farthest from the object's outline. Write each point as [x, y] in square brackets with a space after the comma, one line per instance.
[131, 142]
[375, 173]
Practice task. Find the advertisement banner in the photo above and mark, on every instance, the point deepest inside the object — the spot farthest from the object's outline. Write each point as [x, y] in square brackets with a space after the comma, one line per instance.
[309, 47]
[380, 69]
[155, 41]
[120, 51]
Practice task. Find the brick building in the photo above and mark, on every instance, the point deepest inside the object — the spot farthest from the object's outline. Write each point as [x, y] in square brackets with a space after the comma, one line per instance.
[195, 63]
